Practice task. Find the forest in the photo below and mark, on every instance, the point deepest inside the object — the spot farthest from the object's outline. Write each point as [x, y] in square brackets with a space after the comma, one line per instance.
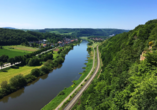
[16, 37]
[126, 82]
[79, 32]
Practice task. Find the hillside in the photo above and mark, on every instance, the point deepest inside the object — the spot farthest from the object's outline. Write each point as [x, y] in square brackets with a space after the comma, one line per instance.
[126, 83]
[79, 32]
[16, 37]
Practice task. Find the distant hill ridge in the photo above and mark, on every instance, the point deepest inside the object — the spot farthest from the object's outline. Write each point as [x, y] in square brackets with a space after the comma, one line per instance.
[79, 32]
[9, 27]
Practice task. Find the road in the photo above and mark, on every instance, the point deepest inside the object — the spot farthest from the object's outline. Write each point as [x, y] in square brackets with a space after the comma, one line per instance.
[60, 105]
[74, 100]
[9, 65]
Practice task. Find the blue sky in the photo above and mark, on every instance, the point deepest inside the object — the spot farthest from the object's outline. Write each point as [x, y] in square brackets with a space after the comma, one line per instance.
[39, 14]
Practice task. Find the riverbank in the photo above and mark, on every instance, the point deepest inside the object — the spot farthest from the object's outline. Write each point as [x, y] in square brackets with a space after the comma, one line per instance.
[29, 76]
[94, 80]
[64, 93]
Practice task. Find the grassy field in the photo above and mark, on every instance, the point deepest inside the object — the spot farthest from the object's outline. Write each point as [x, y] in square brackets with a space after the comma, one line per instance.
[11, 72]
[11, 53]
[96, 43]
[55, 54]
[59, 98]
[21, 48]
[84, 38]
[16, 50]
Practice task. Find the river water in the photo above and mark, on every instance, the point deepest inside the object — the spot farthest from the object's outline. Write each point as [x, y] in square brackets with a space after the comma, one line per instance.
[40, 92]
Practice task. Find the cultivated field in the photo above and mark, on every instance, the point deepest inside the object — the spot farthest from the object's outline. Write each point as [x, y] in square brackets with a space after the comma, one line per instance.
[16, 50]
[20, 48]
[11, 53]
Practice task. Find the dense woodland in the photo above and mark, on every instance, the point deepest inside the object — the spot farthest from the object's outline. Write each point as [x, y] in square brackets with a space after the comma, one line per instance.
[16, 37]
[78, 32]
[126, 83]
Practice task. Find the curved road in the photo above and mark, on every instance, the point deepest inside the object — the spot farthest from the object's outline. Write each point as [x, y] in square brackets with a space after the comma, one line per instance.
[74, 100]
[60, 105]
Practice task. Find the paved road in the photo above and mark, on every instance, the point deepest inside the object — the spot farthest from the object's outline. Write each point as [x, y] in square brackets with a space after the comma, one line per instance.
[57, 108]
[9, 65]
[74, 100]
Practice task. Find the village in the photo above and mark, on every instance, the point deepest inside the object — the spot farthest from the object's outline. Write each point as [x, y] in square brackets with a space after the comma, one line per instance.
[45, 43]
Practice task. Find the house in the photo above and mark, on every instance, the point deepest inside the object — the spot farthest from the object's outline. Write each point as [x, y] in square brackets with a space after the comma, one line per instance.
[44, 45]
[59, 42]
[72, 40]
[52, 45]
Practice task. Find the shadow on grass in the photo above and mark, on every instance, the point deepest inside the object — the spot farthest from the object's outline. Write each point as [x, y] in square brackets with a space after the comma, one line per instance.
[15, 67]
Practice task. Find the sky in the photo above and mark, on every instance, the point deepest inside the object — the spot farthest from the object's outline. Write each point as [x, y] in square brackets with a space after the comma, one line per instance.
[40, 14]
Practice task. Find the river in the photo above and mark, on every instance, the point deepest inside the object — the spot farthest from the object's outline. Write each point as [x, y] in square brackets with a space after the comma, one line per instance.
[40, 92]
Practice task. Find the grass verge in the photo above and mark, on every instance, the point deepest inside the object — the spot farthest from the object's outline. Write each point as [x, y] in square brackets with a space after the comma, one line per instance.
[59, 98]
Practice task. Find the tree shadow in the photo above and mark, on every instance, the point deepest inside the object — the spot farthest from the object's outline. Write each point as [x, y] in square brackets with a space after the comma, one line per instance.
[12, 95]
[15, 67]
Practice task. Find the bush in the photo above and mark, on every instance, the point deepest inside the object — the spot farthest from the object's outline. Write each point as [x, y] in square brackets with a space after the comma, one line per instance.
[45, 69]
[61, 93]
[4, 84]
[36, 72]
[34, 62]
[18, 81]
[89, 49]
[49, 63]
[29, 78]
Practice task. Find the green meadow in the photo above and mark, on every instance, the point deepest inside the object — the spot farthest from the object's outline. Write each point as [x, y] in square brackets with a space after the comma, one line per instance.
[16, 50]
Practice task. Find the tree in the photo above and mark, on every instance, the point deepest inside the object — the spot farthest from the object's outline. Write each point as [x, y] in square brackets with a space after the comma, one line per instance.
[17, 58]
[1, 64]
[18, 81]
[36, 72]
[34, 62]
[11, 60]
[150, 43]
[4, 58]
[45, 69]
[4, 84]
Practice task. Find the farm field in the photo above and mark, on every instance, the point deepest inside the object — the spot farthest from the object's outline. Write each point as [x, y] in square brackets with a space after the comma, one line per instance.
[11, 53]
[16, 50]
[20, 48]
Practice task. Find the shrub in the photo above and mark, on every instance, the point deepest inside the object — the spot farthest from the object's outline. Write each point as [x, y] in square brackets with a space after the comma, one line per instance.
[45, 69]
[18, 81]
[61, 93]
[4, 84]
[35, 72]
[34, 62]
[29, 78]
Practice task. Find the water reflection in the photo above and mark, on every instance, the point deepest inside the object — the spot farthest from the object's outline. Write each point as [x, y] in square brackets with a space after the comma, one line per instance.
[13, 95]
[38, 93]
[44, 76]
